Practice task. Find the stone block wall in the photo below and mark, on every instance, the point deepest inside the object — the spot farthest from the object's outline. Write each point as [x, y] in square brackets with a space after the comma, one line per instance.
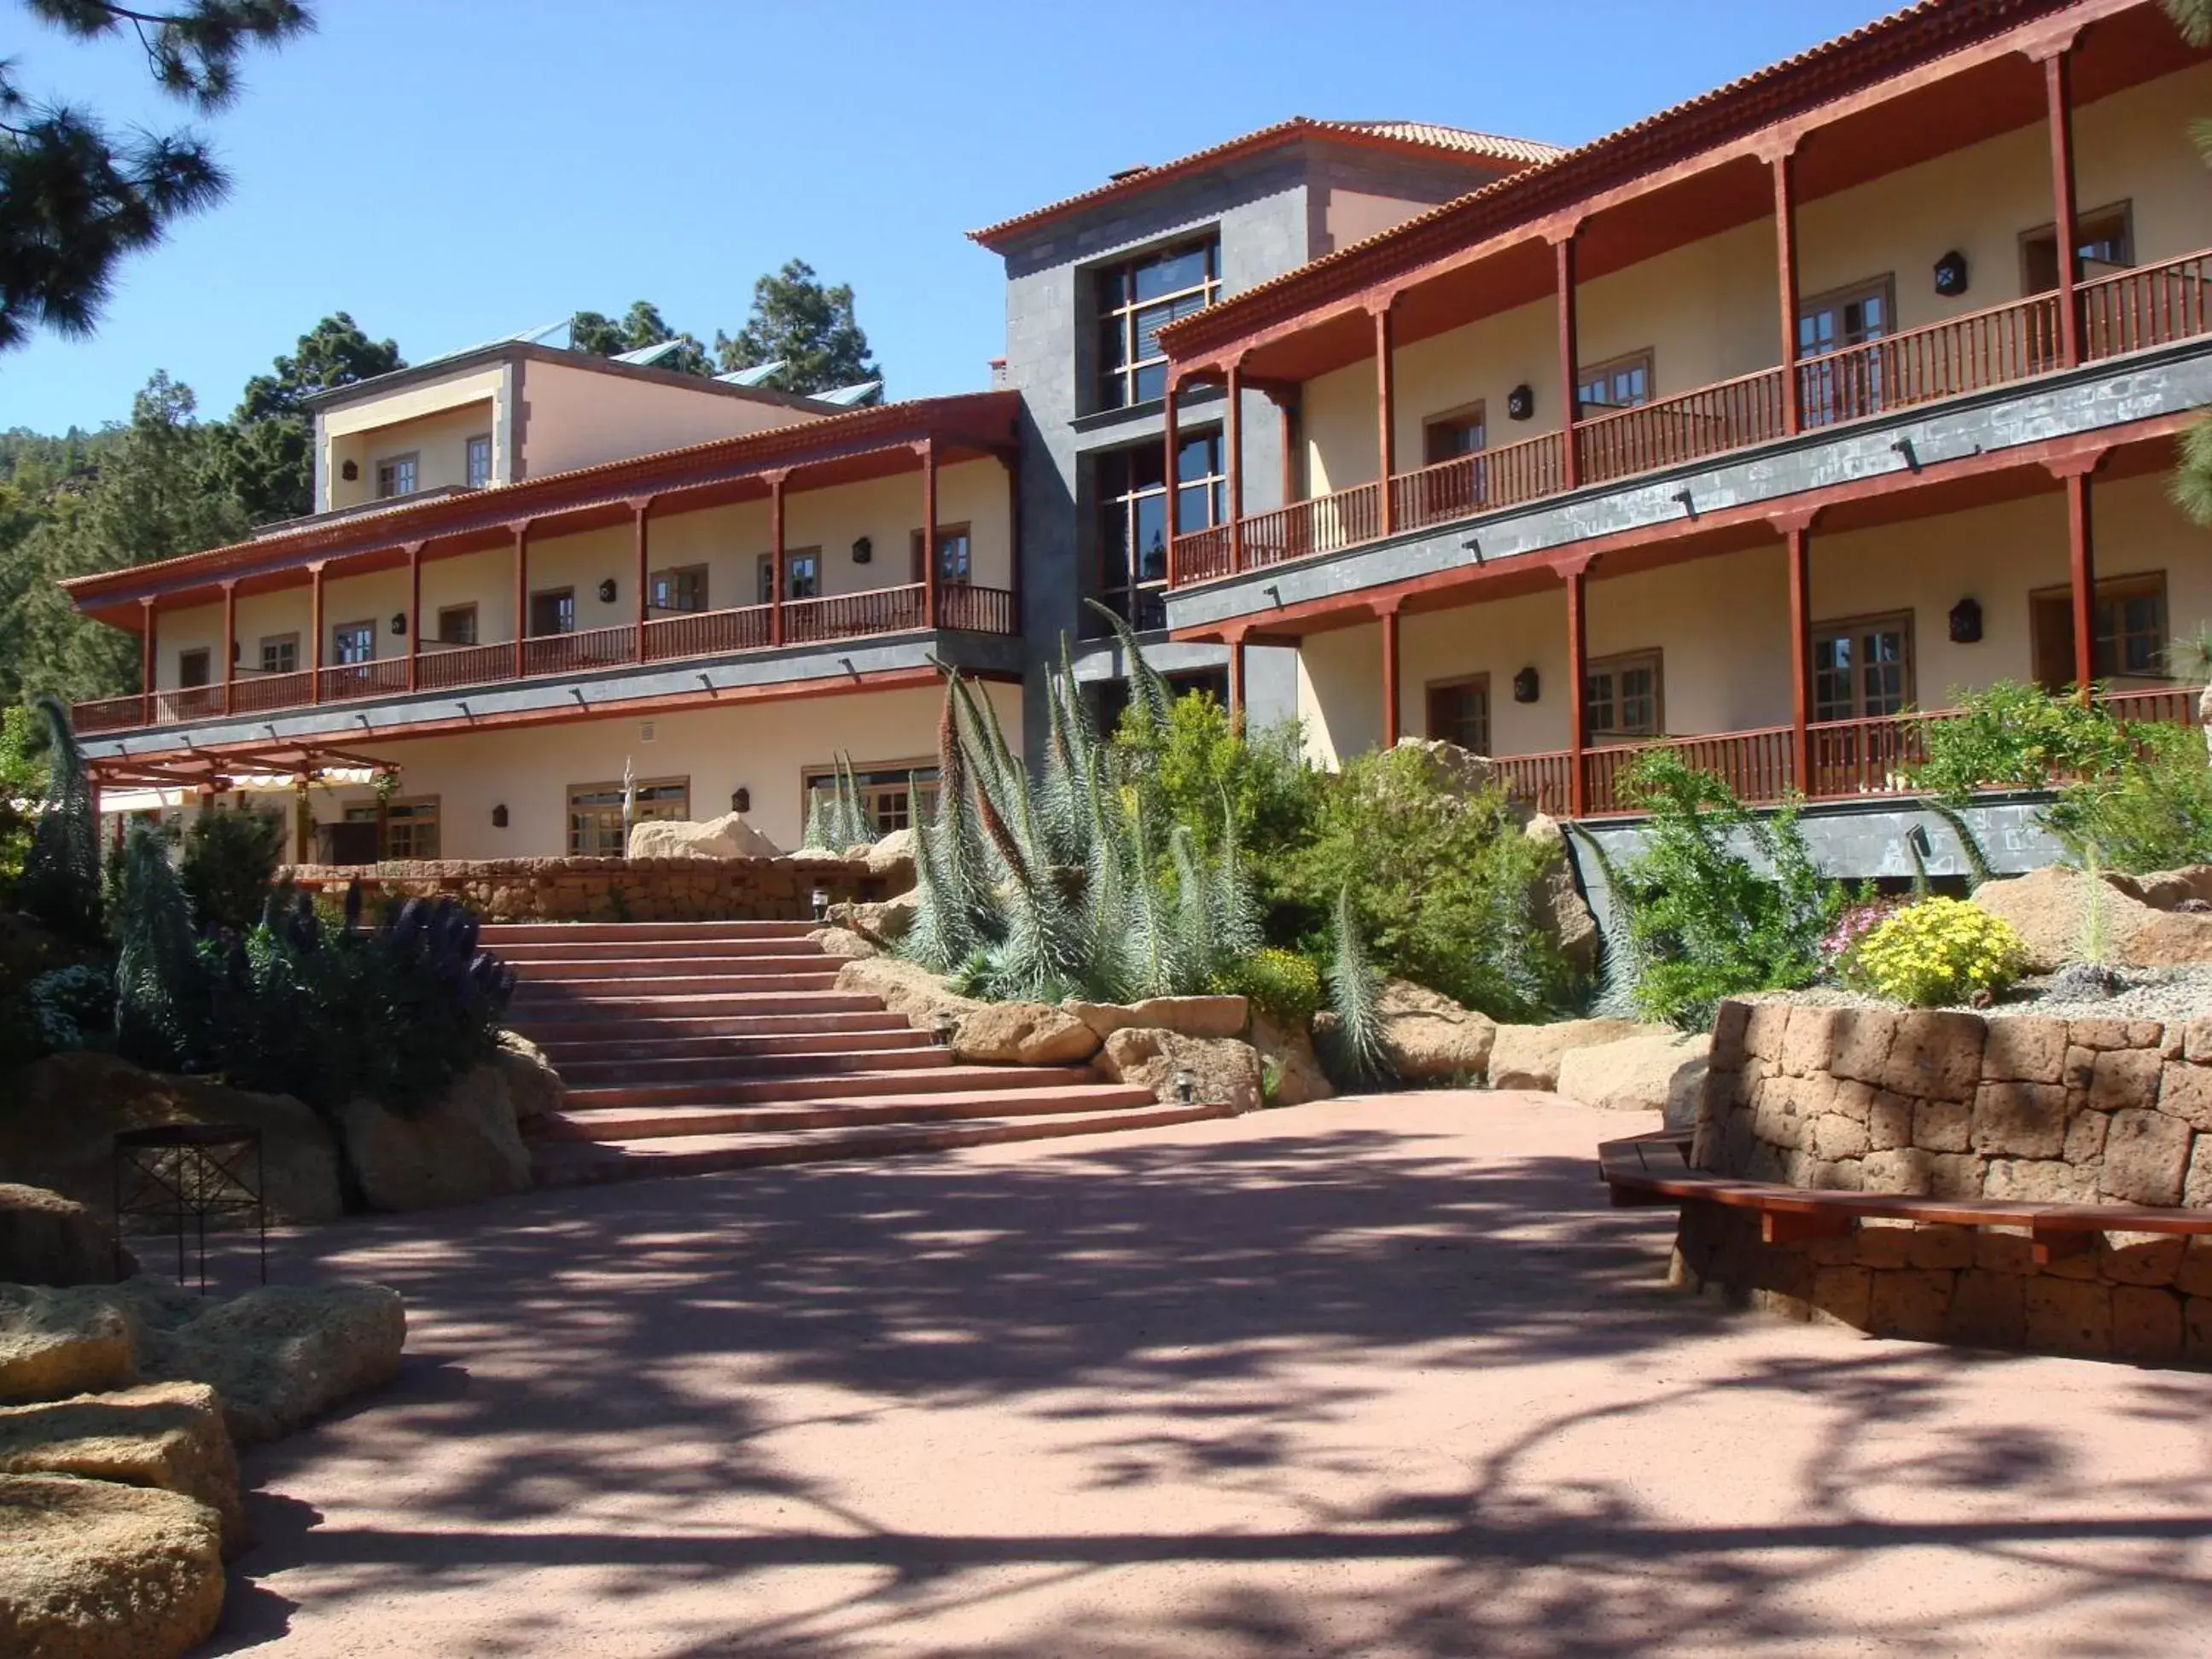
[612, 890]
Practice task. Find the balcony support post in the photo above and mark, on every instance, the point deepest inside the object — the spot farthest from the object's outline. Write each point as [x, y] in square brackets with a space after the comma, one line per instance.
[229, 644]
[2082, 567]
[775, 576]
[521, 595]
[1235, 639]
[1385, 426]
[414, 616]
[1570, 468]
[1288, 415]
[1785, 249]
[1171, 446]
[1386, 609]
[315, 622]
[2058, 96]
[929, 583]
[1232, 438]
[1577, 672]
[641, 543]
[1797, 537]
[148, 662]
[1013, 459]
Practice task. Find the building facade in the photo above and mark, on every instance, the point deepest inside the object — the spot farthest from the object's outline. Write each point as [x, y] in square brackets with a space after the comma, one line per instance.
[1748, 430]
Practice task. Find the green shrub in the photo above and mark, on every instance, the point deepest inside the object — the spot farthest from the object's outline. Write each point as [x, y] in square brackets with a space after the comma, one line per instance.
[23, 787]
[1281, 984]
[1706, 920]
[2012, 736]
[2150, 810]
[1199, 761]
[1938, 951]
[60, 883]
[230, 859]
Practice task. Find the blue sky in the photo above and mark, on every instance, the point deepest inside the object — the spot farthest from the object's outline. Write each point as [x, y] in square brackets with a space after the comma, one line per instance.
[453, 170]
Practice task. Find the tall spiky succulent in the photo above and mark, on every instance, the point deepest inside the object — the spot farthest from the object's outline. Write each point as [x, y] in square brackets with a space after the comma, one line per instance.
[1148, 693]
[61, 874]
[1356, 994]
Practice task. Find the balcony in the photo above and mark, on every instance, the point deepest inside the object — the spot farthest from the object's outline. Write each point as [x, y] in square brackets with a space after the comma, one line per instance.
[1843, 760]
[2128, 311]
[688, 636]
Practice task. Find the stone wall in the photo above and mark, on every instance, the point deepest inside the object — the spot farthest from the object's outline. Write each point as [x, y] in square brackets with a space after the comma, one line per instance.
[612, 890]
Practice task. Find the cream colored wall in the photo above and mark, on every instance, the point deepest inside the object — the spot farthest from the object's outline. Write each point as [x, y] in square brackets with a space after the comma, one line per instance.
[765, 747]
[435, 419]
[1353, 216]
[1710, 311]
[581, 417]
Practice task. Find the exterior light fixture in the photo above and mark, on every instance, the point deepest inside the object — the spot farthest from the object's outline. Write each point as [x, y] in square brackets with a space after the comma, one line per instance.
[741, 799]
[350, 471]
[943, 1028]
[399, 622]
[863, 550]
[1520, 402]
[499, 815]
[607, 591]
[821, 903]
[1966, 622]
[1526, 686]
[1951, 274]
[1186, 1085]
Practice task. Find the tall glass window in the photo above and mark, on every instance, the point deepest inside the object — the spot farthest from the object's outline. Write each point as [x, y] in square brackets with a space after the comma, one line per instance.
[1132, 522]
[1139, 298]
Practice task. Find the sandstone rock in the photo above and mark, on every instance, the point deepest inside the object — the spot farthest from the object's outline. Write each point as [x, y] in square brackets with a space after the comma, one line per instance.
[2124, 1077]
[58, 1342]
[1654, 1072]
[533, 1087]
[1289, 1057]
[2048, 908]
[1555, 901]
[92, 1569]
[1191, 1016]
[2168, 890]
[908, 990]
[891, 857]
[1934, 1056]
[1022, 1034]
[460, 1148]
[1428, 1037]
[2018, 1120]
[2171, 941]
[47, 1239]
[59, 1132]
[169, 1435]
[725, 837]
[2068, 1316]
[1528, 1056]
[2196, 1185]
[2038, 1181]
[1227, 1070]
[2146, 1322]
[1451, 769]
[2146, 1158]
[2024, 1050]
[883, 923]
[845, 945]
[1911, 1303]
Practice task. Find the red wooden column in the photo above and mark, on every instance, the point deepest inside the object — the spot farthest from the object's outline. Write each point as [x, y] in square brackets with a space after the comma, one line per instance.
[148, 661]
[1236, 638]
[315, 615]
[1797, 539]
[414, 616]
[1785, 252]
[2082, 568]
[521, 593]
[640, 538]
[1288, 412]
[776, 581]
[1385, 413]
[1577, 667]
[1570, 466]
[929, 585]
[1170, 445]
[1232, 439]
[2058, 97]
[229, 643]
[1387, 611]
[1012, 460]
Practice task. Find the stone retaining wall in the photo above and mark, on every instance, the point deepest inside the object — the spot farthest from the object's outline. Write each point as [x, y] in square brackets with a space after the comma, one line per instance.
[1953, 1105]
[612, 890]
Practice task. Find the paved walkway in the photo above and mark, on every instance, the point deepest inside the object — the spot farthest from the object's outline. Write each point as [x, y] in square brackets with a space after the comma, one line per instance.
[1380, 1377]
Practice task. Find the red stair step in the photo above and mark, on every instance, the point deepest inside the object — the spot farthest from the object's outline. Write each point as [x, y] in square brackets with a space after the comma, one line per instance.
[669, 1123]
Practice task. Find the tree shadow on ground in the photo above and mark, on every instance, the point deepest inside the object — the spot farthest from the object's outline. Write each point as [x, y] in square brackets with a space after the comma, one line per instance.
[607, 1356]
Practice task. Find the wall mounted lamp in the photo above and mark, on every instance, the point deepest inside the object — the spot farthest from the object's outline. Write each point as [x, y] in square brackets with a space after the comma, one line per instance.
[741, 799]
[1527, 687]
[607, 591]
[1966, 622]
[863, 550]
[499, 815]
[399, 623]
[1520, 402]
[1951, 274]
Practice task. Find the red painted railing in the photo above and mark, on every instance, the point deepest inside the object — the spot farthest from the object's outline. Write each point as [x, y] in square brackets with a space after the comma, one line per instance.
[1483, 482]
[450, 668]
[854, 616]
[1948, 359]
[380, 678]
[579, 654]
[1203, 555]
[707, 632]
[1544, 782]
[1327, 524]
[2147, 305]
[977, 610]
[254, 694]
[1711, 421]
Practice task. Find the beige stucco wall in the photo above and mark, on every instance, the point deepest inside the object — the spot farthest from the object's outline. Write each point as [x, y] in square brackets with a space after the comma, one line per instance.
[434, 419]
[1722, 624]
[580, 416]
[766, 747]
[1710, 311]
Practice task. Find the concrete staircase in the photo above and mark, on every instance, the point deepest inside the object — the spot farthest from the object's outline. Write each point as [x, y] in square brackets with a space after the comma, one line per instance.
[689, 1046]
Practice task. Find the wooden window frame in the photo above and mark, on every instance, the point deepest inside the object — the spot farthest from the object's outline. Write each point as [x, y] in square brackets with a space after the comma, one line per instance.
[791, 556]
[1124, 502]
[570, 808]
[468, 460]
[2124, 210]
[668, 578]
[1867, 624]
[339, 630]
[413, 458]
[403, 808]
[2108, 588]
[261, 654]
[811, 778]
[1466, 415]
[529, 621]
[205, 654]
[1644, 358]
[1614, 663]
[1114, 387]
[475, 630]
[1459, 683]
[945, 532]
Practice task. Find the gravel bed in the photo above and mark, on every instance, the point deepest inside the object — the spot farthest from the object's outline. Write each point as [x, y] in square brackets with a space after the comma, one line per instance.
[2161, 993]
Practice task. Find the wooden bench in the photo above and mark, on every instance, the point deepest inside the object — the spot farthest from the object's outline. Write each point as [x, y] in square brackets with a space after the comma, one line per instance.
[1655, 1169]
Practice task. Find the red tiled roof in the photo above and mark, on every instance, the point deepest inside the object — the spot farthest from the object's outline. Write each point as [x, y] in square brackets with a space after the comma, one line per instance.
[1407, 137]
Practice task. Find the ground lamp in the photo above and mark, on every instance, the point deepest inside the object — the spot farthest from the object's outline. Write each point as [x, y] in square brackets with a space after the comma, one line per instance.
[943, 1028]
[1186, 1085]
[821, 902]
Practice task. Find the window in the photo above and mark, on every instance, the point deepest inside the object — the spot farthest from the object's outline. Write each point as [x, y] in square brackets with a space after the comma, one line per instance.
[1459, 712]
[1620, 697]
[479, 461]
[595, 812]
[395, 477]
[1861, 668]
[680, 590]
[1455, 433]
[410, 827]
[2106, 243]
[1624, 383]
[553, 611]
[353, 642]
[1109, 699]
[1136, 301]
[1845, 390]
[952, 553]
[280, 653]
[457, 624]
[2128, 630]
[802, 573]
[195, 667]
[890, 793]
[1132, 522]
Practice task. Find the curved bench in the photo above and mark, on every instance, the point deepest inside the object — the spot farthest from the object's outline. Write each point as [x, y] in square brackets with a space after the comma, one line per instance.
[1654, 1168]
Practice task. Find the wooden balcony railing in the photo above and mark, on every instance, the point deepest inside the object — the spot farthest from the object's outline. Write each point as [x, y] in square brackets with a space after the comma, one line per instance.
[442, 667]
[2128, 311]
